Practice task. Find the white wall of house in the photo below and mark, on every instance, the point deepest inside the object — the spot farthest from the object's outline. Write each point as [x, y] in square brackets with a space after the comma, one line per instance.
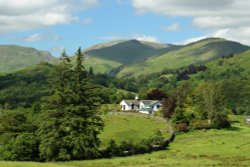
[124, 106]
[142, 105]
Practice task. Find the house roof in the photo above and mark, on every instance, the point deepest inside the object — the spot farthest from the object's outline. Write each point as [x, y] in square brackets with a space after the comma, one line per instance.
[149, 102]
[129, 102]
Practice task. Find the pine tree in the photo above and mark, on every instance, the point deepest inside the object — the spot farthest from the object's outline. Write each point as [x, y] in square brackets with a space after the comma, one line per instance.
[71, 124]
[85, 102]
[53, 129]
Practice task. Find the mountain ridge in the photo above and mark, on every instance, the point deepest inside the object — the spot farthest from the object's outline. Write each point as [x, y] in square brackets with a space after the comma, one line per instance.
[127, 58]
[14, 57]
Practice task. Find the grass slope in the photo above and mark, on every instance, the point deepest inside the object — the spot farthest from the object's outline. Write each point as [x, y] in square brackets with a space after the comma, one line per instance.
[228, 147]
[133, 127]
[100, 65]
[14, 58]
[195, 53]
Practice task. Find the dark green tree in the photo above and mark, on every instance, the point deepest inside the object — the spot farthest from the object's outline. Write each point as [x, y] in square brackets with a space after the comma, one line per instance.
[71, 122]
[18, 141]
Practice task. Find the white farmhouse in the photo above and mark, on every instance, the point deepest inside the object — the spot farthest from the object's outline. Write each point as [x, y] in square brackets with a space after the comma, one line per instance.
[142, 106]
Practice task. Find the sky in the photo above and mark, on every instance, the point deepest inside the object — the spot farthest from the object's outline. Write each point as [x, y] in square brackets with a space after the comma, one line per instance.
[57, 25]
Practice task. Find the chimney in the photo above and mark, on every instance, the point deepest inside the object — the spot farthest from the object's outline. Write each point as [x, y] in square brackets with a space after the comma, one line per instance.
[136, 97]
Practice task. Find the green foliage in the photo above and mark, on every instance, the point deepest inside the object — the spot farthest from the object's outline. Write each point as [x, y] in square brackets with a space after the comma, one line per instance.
[128, 147]
[71, 123]
[27, 87]
[17, 138]
[199, 124]
[196, 104]
[22, 148]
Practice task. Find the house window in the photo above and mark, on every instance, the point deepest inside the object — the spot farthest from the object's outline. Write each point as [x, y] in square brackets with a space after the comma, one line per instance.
[158, 106]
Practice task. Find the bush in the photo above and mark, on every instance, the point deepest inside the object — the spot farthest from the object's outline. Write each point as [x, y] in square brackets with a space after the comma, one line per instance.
[127, 148]
[220, 122]
[182, 127]
[200, 124]
[23, 148]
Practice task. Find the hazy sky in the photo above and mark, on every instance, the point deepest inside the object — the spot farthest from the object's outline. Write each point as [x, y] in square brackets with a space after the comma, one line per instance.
[55, 25]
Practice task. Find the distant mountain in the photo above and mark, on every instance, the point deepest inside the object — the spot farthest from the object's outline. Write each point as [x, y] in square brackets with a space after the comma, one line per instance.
[14, 58]
[128, 52]
[124, 52]
[127, 58]
[195, 53]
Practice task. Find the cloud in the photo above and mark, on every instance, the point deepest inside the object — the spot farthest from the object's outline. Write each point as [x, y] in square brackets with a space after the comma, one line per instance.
[20, 15]
[87, 21]
[39, 37]
[214, 16]
[123, 2]
[171, 28]
[191, 40]
[146, 38]
[32, 38]
[238, 34]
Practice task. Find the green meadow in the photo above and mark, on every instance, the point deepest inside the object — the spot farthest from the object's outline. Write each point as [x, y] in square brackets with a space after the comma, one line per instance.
[226, 147]
[132, 127]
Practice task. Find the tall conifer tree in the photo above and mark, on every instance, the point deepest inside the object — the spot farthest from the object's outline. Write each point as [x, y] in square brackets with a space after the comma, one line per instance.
[72, 123]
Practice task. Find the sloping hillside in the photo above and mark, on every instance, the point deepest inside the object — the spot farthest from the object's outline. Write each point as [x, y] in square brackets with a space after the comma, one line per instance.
[196, 53]
[233, 73]
[237, 65]
[128, 52]
[14, 58]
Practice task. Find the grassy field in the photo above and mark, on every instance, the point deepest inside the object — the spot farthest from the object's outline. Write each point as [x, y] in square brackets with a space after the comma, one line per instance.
[132, 127]
[228, 147]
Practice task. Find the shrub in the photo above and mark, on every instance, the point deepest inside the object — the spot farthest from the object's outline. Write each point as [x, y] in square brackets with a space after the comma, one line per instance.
[182, 127]
[200, 124]
[127, 148]
[112, 150]
[23, 148]
[220, 122]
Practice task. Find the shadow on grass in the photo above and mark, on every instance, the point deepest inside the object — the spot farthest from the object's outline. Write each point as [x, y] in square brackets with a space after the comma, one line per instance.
[234, 128]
